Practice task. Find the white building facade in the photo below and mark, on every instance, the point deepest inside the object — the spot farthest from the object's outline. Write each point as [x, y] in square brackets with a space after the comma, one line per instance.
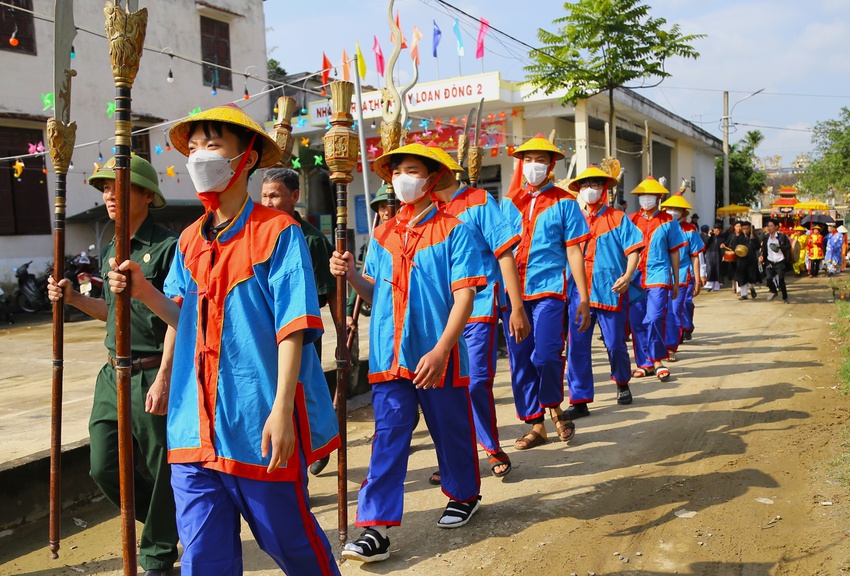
[227, 32]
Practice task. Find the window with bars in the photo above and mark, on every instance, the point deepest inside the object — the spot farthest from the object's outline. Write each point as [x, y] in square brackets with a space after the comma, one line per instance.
[215, 48]
[18, 23]
[24, 202]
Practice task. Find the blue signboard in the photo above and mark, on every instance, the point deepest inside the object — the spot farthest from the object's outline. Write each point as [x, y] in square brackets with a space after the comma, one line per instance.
[360, 218]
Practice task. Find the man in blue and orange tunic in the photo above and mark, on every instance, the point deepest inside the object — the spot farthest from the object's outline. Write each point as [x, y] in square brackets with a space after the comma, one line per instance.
[495, 240]
[680, 312]
[611, 258]
[421, 274]
[551, 229]
[249, 406]
[659, 264]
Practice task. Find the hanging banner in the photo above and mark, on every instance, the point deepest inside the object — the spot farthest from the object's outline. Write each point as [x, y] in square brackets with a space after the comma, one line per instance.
[465, 90]
[492, 137]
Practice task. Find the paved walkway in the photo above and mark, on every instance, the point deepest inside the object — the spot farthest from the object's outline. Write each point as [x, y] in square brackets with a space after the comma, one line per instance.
[26, 360]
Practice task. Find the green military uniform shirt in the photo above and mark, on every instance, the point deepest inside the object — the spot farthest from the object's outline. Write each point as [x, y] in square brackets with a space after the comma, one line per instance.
[320, 254]
[153, 248]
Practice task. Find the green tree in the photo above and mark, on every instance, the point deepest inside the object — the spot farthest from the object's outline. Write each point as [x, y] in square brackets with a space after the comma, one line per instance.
[274, 70]
[829, 171]
[604, 45]
[745, 181]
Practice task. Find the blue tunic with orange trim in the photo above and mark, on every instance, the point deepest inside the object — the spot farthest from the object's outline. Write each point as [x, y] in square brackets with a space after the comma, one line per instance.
[661, 236]
[416, 270]
[694, 246]
[612, 238]
[241, 295]
[547, 222]
[493, 237]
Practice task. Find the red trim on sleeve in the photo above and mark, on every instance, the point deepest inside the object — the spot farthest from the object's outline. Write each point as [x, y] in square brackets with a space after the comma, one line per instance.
[475, 282]
[300, 323]
[633, 247]
[509, 245]
[578, 240]
[682, 245]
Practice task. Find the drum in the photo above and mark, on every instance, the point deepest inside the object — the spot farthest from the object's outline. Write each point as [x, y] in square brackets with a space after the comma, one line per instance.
[729, 256]
[741, 251]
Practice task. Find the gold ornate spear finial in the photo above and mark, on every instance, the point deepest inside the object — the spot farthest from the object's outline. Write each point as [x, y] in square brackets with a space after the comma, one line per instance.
[341, 144]
[61, 136]
[390, 98]
[125, 32]
[282, 131]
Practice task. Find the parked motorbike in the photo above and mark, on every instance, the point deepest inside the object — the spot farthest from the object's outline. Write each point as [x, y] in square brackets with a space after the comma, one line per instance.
[31, 294]
[86, 274]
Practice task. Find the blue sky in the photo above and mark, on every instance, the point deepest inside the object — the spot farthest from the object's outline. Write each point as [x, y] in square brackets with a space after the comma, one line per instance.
[796, 51]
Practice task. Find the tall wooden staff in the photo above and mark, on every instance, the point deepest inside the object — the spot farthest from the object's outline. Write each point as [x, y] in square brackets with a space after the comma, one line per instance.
[61, 135]
[474, 148]
[341, 148]
[125, 31]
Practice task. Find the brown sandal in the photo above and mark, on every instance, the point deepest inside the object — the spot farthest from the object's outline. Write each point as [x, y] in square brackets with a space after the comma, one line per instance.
[530, 439]
[566, 428]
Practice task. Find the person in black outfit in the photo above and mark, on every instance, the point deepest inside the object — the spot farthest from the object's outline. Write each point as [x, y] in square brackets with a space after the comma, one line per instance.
[775, 255]
[714, 258]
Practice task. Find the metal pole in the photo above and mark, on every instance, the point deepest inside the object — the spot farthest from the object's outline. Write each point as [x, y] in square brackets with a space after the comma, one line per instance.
[361, 138]
[126, 33]
[726, 148]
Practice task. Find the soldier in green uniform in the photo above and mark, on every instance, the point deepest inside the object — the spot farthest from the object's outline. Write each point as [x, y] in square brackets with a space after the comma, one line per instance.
[153, 248]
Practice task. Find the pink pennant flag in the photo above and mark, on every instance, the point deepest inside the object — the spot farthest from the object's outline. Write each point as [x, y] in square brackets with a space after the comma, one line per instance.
[482, 32]
[414, 45]
[379, 56]
[346, 67]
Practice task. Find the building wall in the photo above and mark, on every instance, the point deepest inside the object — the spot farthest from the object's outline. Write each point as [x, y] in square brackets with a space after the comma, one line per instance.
[175, 25]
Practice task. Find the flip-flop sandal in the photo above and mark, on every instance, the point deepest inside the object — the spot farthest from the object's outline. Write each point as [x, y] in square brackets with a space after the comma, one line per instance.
[530, 439]
[499, 459]
[565, 427]
[662, 373]
[642, 372]
[435, 479]
[671, 357]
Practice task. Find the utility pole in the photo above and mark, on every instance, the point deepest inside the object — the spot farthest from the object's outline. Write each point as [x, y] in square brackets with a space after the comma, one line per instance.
[725, 148]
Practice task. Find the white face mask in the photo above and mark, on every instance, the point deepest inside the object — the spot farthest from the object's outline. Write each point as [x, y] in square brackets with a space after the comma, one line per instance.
[675, 213]
[535, 173]
[409, 188]
[590, 195]
[647, 201]
[209, 171]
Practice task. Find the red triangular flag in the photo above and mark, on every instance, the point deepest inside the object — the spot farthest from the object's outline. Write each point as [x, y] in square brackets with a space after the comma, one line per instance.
[326, 72]
[392, 34]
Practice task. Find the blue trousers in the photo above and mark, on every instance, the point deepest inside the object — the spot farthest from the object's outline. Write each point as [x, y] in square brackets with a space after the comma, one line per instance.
[448, 413]
[482, 344]
[537, 363]
[209, 504]
[646, 318]
[675, 320]
[688, 319]
[612, 324]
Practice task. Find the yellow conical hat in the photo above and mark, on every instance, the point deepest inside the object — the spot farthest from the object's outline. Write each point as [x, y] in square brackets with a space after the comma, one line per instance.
[650, 186]
[445, 158]
[591, 172]
[381, 166]
[229, 114]
[539, 144]
[676, 201]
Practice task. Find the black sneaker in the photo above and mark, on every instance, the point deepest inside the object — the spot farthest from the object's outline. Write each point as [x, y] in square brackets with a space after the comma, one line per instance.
[577, 411]
[753, 293]
[457, 513]
[319, 465]
[624, 395]
[370, 547]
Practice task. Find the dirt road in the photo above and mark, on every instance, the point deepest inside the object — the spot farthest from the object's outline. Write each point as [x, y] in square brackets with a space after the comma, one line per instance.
[722, 470]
